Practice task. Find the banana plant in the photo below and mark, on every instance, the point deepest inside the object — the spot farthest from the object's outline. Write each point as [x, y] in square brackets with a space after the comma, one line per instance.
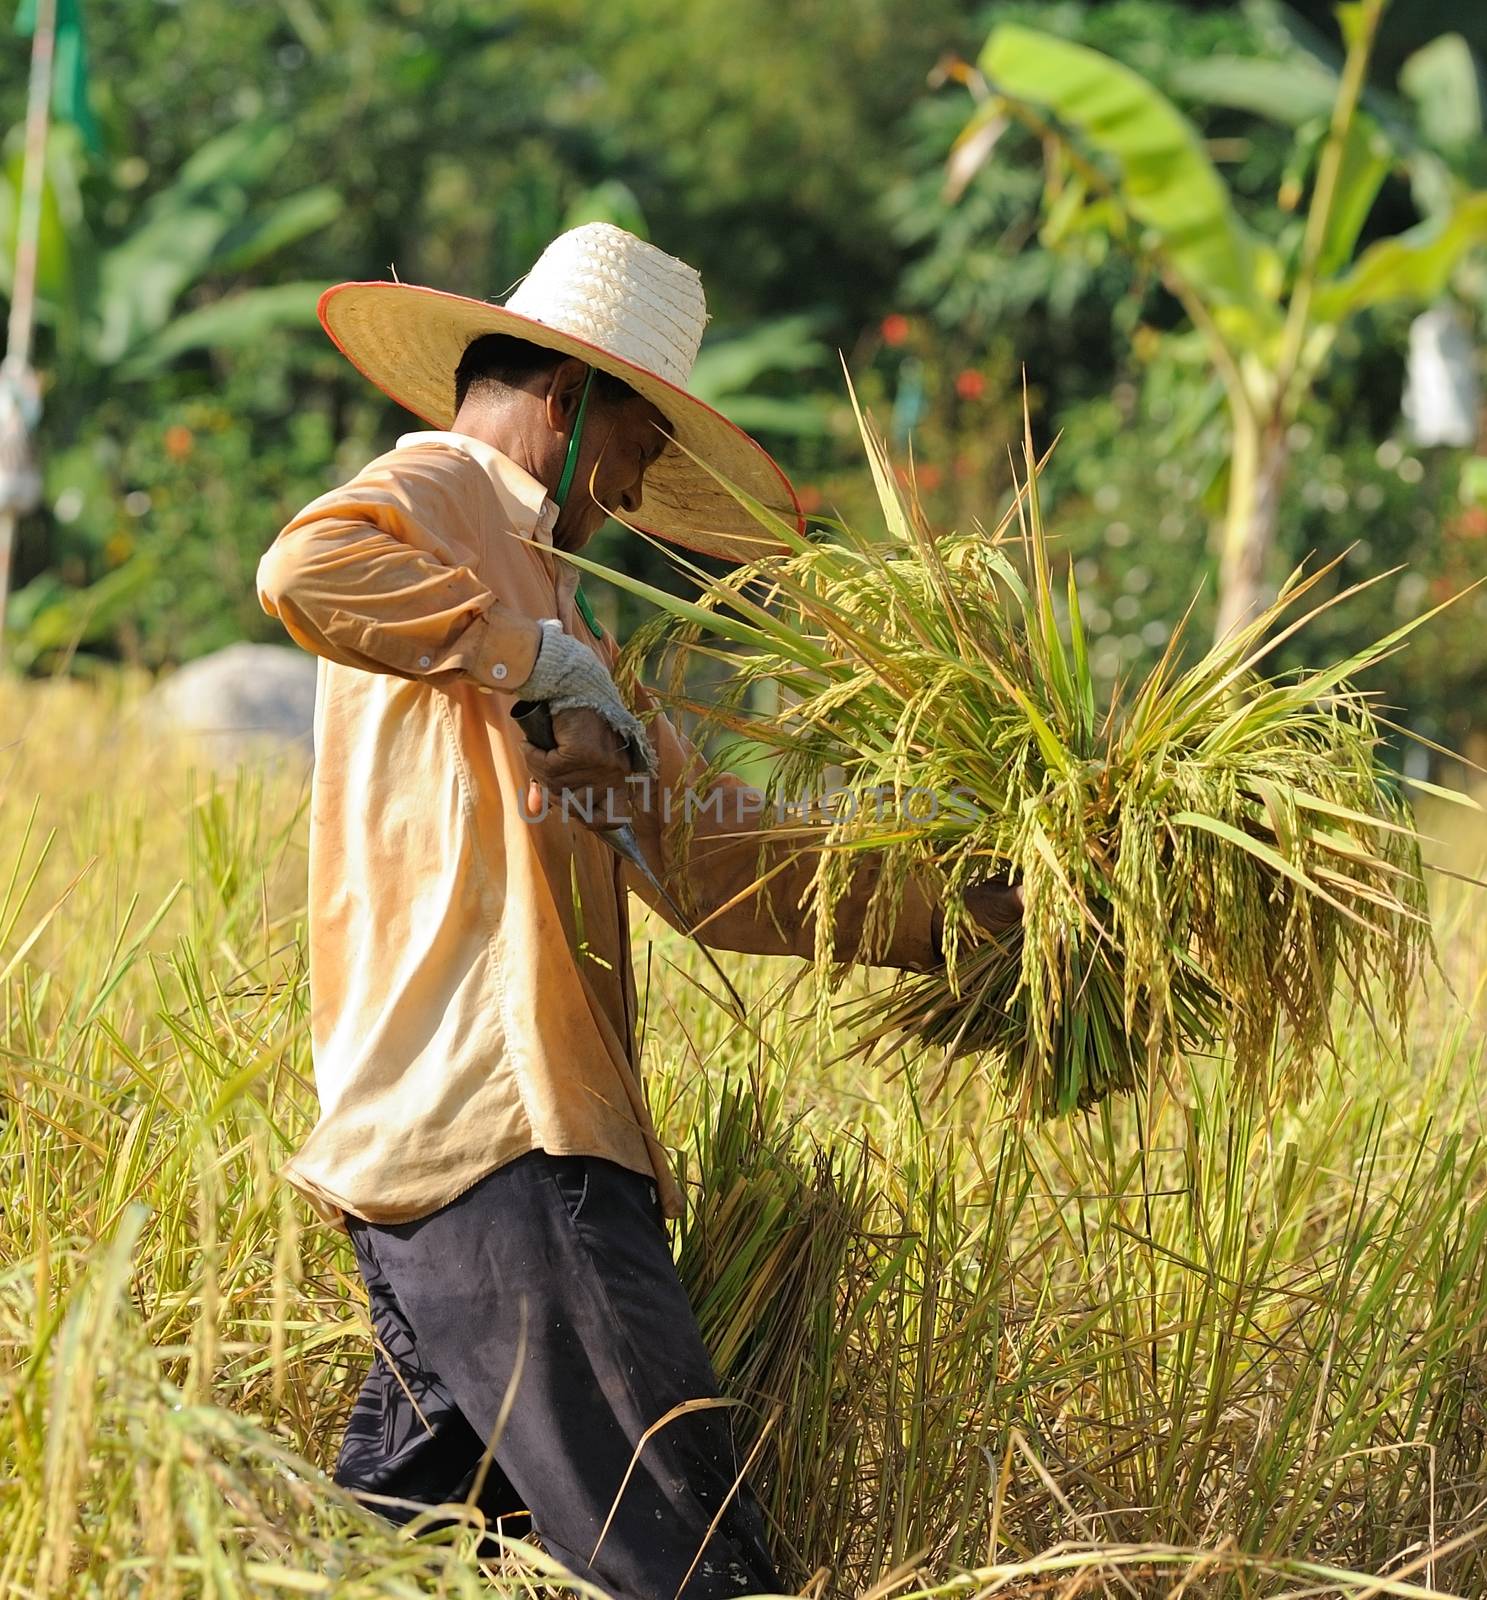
[116, 307]
[1127, 164]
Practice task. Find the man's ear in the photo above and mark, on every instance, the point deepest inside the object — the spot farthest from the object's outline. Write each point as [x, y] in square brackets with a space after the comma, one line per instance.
[564, 391]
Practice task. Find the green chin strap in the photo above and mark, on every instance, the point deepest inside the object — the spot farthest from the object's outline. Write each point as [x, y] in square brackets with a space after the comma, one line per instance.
[566, 481]
[561, 494]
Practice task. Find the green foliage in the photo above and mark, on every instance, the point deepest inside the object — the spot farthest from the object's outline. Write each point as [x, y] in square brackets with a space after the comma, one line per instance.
[1127, 165]
[980, 266]
[1442, 80]
[760, 136]
[113, 308]
[798, 160]
[727, 371]
[1167, 183]
[1415, 266]
[448, 144]
[1164, 184]
[159, 505]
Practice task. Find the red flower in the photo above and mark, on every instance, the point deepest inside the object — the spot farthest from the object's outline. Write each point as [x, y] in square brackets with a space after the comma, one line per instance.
[970, 384]
[178, 442]
[809, 496]
[929, 476]
[895, 328]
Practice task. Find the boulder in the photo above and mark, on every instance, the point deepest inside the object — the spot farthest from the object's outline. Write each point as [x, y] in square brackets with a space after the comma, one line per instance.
[248, 701]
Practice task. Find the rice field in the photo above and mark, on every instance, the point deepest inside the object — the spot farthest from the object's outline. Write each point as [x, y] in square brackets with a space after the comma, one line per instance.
[981, 1358]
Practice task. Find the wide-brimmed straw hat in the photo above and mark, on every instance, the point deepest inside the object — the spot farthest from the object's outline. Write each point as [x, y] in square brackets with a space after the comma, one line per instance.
[618, 303]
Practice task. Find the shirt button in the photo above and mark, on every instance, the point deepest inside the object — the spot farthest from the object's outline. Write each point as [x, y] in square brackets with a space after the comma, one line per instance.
[499, 670]
[425, 661]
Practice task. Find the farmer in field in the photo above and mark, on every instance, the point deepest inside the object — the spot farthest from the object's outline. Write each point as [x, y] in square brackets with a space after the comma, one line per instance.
[483, 1134]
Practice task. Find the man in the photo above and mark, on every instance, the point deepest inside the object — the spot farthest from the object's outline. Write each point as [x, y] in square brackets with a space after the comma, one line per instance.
[483, 1134]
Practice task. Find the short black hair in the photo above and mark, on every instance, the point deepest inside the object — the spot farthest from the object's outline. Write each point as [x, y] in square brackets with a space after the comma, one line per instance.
[503, 361]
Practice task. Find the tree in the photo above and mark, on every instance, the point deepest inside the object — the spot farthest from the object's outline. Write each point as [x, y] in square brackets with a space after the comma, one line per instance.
[1123, 161]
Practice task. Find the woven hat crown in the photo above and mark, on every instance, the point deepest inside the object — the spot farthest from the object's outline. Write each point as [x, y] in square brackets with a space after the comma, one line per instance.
[604, 285]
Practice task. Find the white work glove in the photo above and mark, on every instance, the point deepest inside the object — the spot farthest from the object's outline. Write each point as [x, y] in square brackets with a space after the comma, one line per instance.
[567, 674]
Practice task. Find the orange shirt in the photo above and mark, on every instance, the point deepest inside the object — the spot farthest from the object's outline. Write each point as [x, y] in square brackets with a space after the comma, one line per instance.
[471, 992]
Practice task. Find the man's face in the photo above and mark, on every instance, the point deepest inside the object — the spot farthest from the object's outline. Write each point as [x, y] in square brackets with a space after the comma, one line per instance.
[620, 442]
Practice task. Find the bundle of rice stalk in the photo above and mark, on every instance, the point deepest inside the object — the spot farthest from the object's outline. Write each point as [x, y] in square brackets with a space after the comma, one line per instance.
[770, 1252]
[1202, 859]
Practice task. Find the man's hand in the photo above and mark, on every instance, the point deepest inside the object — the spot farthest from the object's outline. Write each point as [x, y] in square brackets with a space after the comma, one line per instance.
[570, 677]
[591, 762]
[995, 905]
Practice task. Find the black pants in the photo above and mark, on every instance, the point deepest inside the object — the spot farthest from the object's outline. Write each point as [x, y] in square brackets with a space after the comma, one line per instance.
[557, 1266]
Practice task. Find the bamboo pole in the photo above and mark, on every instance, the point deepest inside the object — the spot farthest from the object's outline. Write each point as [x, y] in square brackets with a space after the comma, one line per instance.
[22, 320]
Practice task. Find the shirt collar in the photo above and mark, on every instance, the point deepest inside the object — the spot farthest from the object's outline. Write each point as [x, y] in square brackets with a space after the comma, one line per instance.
[513, 482]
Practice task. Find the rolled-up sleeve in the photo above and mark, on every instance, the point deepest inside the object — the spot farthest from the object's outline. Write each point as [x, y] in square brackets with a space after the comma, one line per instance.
[745, 880]
[368, 576]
